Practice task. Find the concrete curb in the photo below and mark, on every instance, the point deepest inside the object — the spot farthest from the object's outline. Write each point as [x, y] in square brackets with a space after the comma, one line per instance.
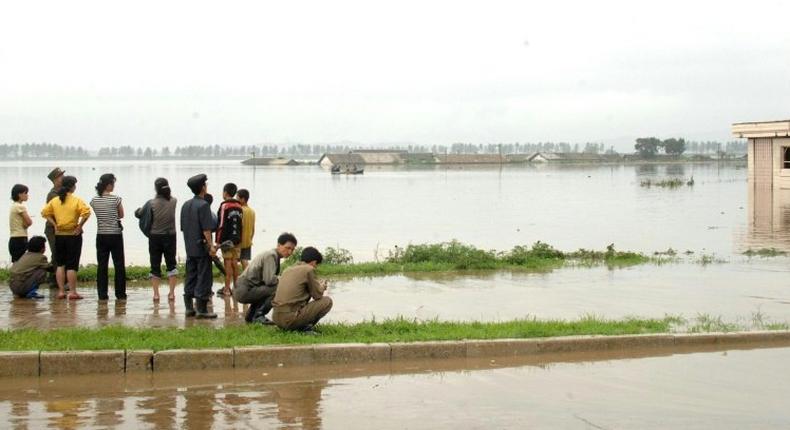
[46, 363]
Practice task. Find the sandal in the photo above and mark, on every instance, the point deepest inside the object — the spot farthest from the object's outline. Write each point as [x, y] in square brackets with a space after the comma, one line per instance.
[75, 296]
[61, 296]
[171, 297]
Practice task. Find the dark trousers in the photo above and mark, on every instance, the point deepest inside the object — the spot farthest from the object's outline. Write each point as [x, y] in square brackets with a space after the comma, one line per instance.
[159, 245]
[17, 247]
[110, 245]
[259, 298]
[198, 278]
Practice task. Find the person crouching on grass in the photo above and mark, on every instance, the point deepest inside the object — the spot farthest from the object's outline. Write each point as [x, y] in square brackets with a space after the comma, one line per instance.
[293, 309]
[229, 218]
[68, 213]
[30, 270]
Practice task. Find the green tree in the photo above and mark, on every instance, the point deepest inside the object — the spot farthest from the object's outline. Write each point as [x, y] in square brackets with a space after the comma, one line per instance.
[647, 146]
[674, 146]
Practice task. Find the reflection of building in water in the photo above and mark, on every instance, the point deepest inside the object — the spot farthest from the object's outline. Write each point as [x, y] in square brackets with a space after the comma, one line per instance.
[769, 216]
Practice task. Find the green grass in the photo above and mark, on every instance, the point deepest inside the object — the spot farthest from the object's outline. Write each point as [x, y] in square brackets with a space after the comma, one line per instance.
[396, 330]
[450, 256]
[764, 252]
[666, 183]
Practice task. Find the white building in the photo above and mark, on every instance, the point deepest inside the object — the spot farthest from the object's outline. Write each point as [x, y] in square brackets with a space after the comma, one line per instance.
[768, 151]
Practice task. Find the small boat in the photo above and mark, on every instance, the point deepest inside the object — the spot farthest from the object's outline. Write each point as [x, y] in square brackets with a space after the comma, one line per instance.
[347, 170]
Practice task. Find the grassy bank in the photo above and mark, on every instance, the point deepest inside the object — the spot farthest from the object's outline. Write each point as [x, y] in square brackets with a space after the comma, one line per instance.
[439, 257]
[398, 330]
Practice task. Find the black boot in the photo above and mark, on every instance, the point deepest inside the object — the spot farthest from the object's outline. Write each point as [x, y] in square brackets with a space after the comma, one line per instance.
[190, 308]
[202, 310]
[254, 307]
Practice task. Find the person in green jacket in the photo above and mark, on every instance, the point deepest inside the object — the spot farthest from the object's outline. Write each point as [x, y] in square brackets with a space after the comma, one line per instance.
[30, 270]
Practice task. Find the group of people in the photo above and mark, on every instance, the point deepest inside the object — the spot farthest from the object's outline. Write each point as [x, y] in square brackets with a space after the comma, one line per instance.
[297, 297]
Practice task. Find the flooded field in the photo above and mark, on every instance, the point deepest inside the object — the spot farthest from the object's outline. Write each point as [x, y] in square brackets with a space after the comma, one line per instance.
[569, 207]
[707, 388]
[746, 294]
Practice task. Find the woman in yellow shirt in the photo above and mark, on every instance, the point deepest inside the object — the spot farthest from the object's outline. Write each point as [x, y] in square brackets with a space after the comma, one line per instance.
[68, 213]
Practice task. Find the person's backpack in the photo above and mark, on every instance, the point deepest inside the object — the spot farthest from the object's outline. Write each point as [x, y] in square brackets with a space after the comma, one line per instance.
[229, 218]
[146, 218]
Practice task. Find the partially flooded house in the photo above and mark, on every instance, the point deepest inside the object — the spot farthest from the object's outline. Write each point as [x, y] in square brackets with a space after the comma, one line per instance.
[768, 151]
[333, 160]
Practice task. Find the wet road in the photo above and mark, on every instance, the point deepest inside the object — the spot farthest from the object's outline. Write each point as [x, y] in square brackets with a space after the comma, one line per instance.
[735, 291]
[708, 388]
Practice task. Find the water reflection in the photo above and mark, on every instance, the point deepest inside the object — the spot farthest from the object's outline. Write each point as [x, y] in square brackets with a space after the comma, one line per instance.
[768, 217]
[655, 385]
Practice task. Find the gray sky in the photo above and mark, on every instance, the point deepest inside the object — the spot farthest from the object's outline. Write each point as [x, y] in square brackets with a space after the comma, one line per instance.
[159, 73]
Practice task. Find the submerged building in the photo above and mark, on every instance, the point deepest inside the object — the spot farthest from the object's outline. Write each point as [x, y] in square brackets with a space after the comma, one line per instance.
[768, 151]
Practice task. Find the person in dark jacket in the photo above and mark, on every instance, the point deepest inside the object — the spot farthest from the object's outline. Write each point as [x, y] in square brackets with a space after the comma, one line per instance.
[197, 225]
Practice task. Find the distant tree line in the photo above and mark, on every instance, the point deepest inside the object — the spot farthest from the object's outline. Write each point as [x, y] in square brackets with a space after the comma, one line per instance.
[644, 146]
[650, 146]
[41, 150]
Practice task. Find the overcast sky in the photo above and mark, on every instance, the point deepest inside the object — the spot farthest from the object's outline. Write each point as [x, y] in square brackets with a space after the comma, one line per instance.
[173, 73]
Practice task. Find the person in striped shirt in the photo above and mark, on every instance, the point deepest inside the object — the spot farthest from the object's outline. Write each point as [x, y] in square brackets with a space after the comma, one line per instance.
[109, 237]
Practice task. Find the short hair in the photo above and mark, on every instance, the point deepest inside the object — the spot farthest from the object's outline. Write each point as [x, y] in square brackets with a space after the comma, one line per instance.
[285, 238]
[37, 244]
[243, 194]
[16, 190]
[230, 188]
[311, 254]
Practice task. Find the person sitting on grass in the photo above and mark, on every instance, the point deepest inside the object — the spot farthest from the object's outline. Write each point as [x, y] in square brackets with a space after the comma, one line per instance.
[30, 270]
[258, 283]
[293, 309]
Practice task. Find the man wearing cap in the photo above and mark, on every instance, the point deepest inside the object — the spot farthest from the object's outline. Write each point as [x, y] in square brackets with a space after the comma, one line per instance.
[56, 176]
[197, 224]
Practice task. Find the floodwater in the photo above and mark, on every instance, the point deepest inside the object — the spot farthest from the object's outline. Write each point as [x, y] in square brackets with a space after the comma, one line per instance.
[652, 389]
[492, 207]
[746, 294]
[569, 207]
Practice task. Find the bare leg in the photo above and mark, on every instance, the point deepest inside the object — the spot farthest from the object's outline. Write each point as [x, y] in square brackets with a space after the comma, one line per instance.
[228, 274]
[71, 277]
[171, 280]
[155, 283]
[244, 264]
[60, 278]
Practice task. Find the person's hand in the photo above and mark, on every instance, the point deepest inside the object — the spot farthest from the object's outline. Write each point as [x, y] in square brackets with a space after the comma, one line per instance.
[78, 230]
[212, 250]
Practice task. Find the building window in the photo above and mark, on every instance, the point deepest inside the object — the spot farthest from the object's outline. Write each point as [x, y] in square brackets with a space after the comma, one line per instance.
[786, 157]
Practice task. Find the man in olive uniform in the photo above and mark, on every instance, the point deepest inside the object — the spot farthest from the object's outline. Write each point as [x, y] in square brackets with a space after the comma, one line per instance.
[293, 309]
[258, 283]
[56, 176]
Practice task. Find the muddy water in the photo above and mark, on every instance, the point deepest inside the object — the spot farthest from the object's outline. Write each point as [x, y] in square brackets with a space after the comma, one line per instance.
[738, 292]
[651, 389]
[569, 207]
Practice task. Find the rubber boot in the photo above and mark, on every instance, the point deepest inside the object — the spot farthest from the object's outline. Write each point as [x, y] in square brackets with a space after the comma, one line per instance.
[251, 312]
[189, 307]
[202, 310]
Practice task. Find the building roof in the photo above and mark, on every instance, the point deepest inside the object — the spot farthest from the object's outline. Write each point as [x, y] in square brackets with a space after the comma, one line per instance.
[762, 129]
[337, 159]
[471, 159]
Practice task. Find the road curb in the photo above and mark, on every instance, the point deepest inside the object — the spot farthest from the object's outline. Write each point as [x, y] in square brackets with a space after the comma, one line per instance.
[47, 363]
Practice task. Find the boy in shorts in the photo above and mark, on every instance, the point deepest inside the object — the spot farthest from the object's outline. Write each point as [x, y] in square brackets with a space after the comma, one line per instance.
[229, 218]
